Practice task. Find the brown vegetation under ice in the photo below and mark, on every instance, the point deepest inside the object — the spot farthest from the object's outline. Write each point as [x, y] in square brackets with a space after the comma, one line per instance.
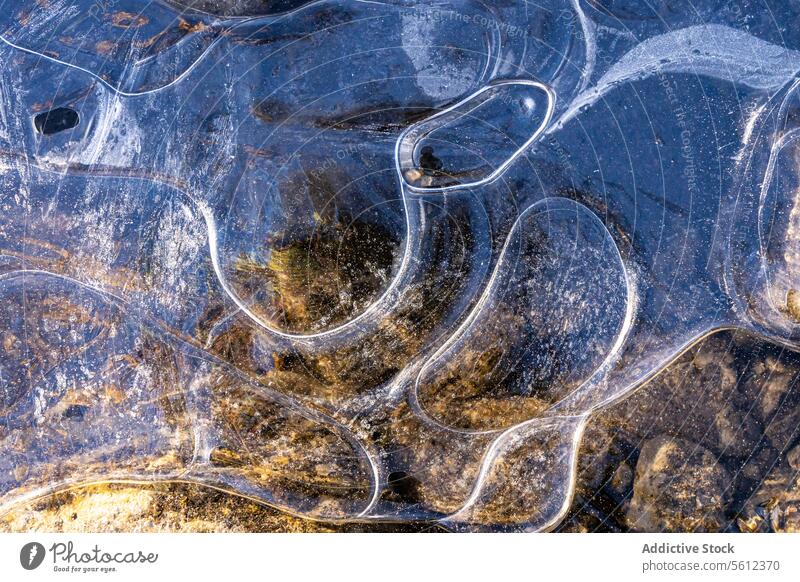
[709, 445]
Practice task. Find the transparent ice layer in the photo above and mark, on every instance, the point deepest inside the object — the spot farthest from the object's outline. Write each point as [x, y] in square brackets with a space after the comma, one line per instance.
[376, 260]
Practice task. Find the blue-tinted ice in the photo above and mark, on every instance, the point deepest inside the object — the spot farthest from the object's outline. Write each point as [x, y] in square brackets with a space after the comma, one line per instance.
[375, 260]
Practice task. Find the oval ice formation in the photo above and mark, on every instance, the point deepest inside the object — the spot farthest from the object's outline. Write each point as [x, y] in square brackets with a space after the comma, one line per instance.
[551, 317]
[764, 259]
[779, 221]
[475, 140]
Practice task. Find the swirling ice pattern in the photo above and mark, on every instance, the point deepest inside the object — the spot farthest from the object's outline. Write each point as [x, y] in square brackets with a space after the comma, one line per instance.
[374, 260]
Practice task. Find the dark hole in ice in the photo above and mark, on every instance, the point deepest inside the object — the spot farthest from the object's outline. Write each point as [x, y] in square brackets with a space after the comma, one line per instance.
[396, 476]
[429, 162]
[403, 486]
[56, 120]
[76, 411]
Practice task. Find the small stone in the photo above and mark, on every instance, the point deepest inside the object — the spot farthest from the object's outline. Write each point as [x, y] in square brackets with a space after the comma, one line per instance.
[413, 176]
[752, 524]
[622, 479]
[770, 381]
[793, 458]
[758, 465]
[785, 518]
[793, 304]
[738, 432]
[20, 472]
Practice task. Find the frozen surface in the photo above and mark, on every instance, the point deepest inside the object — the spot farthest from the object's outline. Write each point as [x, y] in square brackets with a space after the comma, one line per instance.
[377, 261]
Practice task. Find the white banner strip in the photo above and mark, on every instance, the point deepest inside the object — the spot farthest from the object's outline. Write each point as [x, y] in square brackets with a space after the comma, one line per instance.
[396, 557]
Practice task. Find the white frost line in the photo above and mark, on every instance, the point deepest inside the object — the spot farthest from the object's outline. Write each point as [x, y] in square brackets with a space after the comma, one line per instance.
[551, 99]
[710, 50]
[493, 452]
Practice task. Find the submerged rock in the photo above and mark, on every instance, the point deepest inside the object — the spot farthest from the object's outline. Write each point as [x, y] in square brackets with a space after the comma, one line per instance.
[774, 505]
[732, 398]
[679, 486]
